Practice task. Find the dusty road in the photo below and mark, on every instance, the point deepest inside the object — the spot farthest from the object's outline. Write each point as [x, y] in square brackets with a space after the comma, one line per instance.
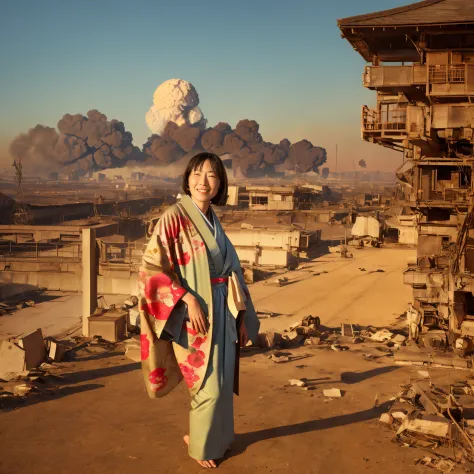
[98, 419]
[344, 294]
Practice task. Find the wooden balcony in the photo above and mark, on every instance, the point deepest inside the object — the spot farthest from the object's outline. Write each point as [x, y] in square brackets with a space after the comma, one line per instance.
[455, 80]
[389, 77]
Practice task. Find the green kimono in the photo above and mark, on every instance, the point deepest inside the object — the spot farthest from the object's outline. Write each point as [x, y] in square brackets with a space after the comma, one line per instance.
[185, 252]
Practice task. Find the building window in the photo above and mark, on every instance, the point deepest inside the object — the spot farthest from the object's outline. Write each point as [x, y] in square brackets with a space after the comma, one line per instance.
[260, 200]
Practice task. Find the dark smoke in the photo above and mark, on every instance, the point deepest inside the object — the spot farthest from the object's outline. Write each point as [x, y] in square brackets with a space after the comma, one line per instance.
[94, 143]
[362, 164]
[87, 143]
[251, 156]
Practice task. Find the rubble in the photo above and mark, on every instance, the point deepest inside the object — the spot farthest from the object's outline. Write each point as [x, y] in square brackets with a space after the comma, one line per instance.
[12, 360]
[332, 393]
[430, 416]
[22, 390]
[279, 357]
[297, 382]
[34, 347]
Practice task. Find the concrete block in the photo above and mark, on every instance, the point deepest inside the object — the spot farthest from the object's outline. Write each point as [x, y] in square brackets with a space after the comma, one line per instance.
[34, 347]
[56, 351]
[110, 326]
[12, 360]
[332, 393]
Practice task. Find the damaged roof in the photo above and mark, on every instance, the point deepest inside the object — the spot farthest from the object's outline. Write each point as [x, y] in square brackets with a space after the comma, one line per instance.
[427, 12]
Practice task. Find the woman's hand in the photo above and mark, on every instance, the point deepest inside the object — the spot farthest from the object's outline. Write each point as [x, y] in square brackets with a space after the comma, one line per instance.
[195, 313]
[243, 334]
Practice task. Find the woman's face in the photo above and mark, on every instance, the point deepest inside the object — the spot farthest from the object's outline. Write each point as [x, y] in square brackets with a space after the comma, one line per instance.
[203, 183]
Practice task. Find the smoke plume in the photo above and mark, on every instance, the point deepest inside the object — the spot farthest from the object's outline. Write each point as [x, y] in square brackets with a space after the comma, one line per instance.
[175, 100]
[362, 164]
[87, 143]
[92, 142]
[249, 154]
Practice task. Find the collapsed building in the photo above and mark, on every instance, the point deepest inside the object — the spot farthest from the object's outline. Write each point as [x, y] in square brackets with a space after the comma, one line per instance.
[278, 198]
[421, 67]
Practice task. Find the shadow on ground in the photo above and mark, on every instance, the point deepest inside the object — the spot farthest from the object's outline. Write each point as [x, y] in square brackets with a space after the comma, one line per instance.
[244, 440]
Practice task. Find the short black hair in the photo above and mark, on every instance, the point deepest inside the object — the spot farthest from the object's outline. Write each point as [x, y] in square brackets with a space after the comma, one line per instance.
[197, 162]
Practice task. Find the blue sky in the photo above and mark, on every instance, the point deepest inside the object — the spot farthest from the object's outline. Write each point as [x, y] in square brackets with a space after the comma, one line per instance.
[281, 63]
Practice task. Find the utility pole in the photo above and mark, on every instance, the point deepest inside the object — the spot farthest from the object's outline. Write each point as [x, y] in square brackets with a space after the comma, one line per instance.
[336, 158]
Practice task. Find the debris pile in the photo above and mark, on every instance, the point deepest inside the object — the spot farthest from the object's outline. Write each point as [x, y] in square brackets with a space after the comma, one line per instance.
[430, 416]
[309, 331]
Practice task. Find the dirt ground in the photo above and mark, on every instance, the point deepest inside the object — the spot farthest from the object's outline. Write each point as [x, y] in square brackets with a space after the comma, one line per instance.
[98, 418]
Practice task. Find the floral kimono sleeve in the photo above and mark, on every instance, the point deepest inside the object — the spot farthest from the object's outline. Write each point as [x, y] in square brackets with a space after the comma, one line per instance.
[159, 286]
[159, 292]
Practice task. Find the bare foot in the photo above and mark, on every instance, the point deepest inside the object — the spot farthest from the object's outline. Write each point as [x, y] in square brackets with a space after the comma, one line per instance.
[206, 464]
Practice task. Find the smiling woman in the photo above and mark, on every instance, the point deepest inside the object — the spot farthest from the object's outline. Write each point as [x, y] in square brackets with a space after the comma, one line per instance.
[205, 180]
[190, 260]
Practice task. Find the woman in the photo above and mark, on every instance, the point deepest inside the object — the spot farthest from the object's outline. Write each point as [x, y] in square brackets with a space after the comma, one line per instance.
[196, 309]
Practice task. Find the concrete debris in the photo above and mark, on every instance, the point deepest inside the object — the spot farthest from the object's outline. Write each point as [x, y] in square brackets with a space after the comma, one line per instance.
[347, 330]
[269, 339]
[282, 281]
[399, 339]
[386, 418]
[56, 350]
[22, 390]
[339, 348]
[424, 374]
[130, 302]
[111, 326]
[12, 360]
[439, 463]
[332, 393]
[430, 416]
[134, 317]
[382, 336]
[34, 347]
[297, 382]
[279, 357]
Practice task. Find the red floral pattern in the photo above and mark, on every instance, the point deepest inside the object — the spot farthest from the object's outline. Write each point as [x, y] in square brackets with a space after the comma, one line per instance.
[162, 295]
[177, 224]
[183, 258]
[188, 375]
[190, 330]
[144, 347]
[198, 342]
[157, 379]
[196, 359]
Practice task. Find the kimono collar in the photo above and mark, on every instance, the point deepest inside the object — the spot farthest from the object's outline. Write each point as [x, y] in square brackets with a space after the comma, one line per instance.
[198, 220]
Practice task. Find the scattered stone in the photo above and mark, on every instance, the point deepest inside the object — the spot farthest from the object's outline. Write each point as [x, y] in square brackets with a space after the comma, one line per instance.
[56, 351]
[347, 330]
[399, 339]
[386, 418]
[382, 336]
[278, 358]
[297, 382]
[313, 341]
[131, 302]
[22, 390]
[338, 347]
[34, 347]
[282, 281]
[12, 360]
[332, 393]
[269, 339]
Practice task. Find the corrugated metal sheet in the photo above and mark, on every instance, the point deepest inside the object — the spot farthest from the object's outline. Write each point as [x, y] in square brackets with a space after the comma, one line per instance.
[428, 12]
